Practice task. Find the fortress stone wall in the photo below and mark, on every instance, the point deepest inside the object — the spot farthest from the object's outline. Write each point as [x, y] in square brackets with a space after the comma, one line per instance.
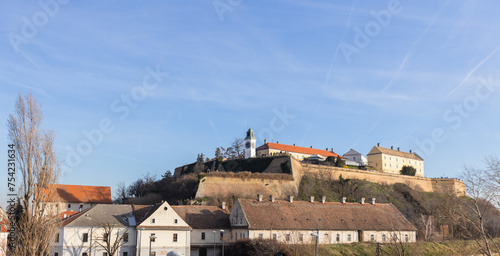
[442, 186]
[248, 187]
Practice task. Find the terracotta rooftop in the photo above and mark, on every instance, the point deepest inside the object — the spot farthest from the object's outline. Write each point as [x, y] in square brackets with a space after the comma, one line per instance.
[301, 215]
[393, 152]
[81, 194]
[296, 149]
[203, 217]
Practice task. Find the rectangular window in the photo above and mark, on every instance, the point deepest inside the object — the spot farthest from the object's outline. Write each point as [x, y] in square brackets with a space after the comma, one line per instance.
[301, 237]
[153, 221]
[384, 238]
[85, 237]
[175, 238]
[105, 237]
[56, 254]
[261, 236]
[153, 239]
[125, 254]
[104, 254]
[338, 237]
[69, 206]
[221, 236]
[275, 236]
[57, 238]
[349, 237]
[406, 238]
[125, 237]
[287, 237]
[372, 237]
[85, 254]
[175, 221]
[202, 235]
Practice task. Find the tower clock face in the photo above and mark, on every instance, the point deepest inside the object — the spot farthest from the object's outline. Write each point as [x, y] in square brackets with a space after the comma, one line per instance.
[247, 144]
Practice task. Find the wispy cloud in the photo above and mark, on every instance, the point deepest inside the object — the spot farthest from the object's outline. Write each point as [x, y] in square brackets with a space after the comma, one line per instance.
[473, 70]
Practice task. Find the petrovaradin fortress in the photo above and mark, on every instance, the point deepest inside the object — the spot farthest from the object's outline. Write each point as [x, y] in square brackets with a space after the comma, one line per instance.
[212, 185]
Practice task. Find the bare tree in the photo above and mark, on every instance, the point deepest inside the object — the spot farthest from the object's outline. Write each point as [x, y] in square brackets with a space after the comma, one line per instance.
[471, 213]
[36, 224]
[121, 193]
[111, 240]
[238, 147]
[428, 222]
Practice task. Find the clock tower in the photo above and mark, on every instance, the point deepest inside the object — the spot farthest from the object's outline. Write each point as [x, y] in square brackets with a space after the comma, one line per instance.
[250, 144]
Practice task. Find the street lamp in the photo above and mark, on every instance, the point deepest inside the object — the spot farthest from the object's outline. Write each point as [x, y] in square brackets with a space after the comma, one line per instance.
[151, 237]
[316, 246]
[222, 231]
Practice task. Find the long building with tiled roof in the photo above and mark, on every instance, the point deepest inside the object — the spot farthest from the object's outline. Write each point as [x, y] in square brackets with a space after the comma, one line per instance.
[336, 222]
[76, 198]
[270, 149]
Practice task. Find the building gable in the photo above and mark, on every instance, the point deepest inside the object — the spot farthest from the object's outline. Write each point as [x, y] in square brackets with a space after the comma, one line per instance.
[237, 216]
[163, 216]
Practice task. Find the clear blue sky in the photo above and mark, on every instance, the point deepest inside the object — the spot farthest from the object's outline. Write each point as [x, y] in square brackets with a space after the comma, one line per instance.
[167, 80]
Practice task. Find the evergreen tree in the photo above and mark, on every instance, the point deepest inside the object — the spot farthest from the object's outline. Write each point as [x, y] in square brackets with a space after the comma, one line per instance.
[408, 170]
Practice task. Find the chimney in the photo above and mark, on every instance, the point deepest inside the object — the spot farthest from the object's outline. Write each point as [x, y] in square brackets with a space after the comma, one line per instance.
[290, 198]
[294, 144]
[342, 200]
[265, 141]
[272, 198]
[392, 147]
[278, 142]
[259, 197]
[378, 144]
[410, 151]
[372, 201]
[223, 205]
[362, 200]
[326, 149]
[311, 147]
[323, 199]
[398, 148]
[311, 199]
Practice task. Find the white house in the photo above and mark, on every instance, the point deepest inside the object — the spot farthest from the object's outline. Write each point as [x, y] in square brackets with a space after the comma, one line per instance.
[90, 231]
[334, 222]
[355, 156]
[210, 228]
[161, 230]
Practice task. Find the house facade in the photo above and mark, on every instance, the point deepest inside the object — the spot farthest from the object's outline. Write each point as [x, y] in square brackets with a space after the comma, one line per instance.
[161, 230]
[294, 221]
[392, 161]
[90, 231]
[356, 157]
[300, 153]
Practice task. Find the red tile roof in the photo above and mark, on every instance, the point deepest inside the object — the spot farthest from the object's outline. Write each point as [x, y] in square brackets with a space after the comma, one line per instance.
[81, 194]
[66, 214]
[296, 149]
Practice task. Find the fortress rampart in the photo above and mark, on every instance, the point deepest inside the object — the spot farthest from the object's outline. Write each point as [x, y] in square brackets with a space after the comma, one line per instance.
[229, 186]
